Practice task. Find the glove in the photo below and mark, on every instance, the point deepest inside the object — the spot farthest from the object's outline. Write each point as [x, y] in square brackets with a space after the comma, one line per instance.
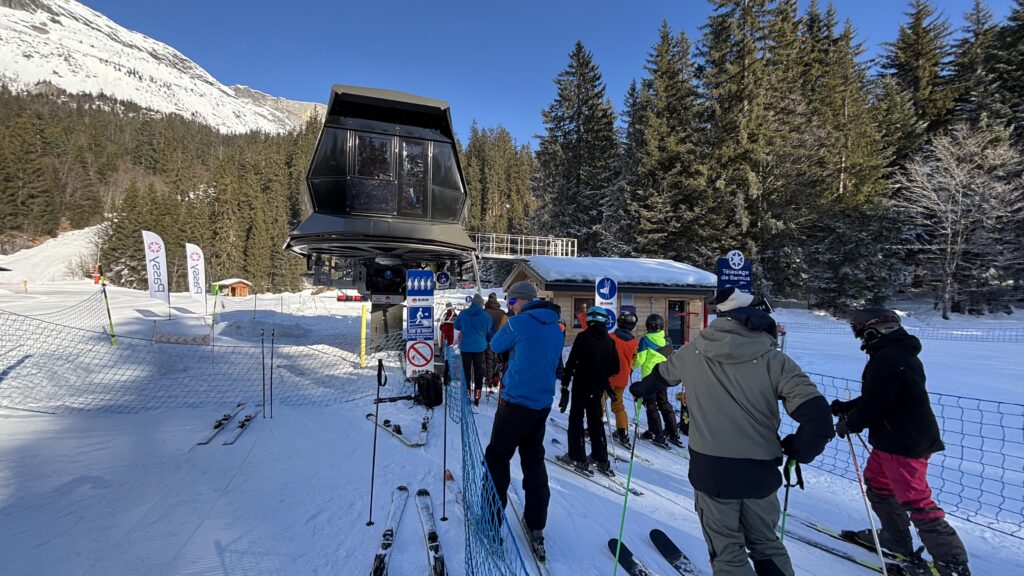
[563, 402]
[842, 428]
[839, 407]
[793, 466]
[789, 447]
[649, 386]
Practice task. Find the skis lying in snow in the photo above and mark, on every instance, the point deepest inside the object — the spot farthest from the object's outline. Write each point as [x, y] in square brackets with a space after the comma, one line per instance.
[842, 536]
[629, 563]
[673, 554]
[387, 539]
[612, 484]
[891, 568]
[616, 457]
[221, 423]
[396, 430]
[243, 425]
[426, 509]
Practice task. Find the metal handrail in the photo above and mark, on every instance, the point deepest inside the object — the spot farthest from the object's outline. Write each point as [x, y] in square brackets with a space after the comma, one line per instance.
[517, 246]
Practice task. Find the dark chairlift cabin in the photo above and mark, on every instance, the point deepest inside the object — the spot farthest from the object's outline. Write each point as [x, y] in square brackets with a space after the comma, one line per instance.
[385, 183]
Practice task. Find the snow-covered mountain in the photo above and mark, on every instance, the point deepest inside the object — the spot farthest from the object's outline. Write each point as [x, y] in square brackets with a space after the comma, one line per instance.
[77, 49]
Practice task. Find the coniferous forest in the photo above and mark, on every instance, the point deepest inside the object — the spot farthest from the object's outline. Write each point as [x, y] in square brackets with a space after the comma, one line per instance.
[846, 180]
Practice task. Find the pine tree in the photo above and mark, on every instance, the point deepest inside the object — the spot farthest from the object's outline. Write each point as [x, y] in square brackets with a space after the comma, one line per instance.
[918, 61]
[1008, 67]
[735, 83]
[978, 100]
[577, 154]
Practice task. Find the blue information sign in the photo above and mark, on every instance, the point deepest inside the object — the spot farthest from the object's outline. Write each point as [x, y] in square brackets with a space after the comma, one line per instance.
[443, 279]
[734, 270]
[419, 305]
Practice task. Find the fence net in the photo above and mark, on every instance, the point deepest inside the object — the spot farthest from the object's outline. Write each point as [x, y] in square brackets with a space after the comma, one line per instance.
[490, 546]
[923, 332]
[57, 367]
[980, 475]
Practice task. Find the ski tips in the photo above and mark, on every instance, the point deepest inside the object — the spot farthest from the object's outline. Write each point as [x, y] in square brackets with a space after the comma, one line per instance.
[402, 488]
[423, 492]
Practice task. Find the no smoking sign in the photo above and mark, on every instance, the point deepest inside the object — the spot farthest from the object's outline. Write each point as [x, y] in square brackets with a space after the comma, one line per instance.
[419, 357]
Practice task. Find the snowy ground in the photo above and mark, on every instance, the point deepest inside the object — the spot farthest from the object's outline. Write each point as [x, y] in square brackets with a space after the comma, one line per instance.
[97, 493]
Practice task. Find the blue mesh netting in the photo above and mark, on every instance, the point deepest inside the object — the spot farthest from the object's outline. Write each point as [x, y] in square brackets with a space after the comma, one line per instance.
[980, 475]
[490, 546]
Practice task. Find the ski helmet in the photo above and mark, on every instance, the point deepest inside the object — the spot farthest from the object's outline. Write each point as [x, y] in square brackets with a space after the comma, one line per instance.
[627, 320]
[870, 324]
[655, 323]
[596, 314]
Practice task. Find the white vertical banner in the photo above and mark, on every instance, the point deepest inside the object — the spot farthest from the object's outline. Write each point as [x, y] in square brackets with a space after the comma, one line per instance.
[156, 266]
[196, 272]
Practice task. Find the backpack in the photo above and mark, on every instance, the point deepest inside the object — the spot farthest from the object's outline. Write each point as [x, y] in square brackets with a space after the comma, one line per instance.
[429, 389]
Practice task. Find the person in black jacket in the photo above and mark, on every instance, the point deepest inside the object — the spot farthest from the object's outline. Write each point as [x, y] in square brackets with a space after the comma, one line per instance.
[593, 360]
[895, 409]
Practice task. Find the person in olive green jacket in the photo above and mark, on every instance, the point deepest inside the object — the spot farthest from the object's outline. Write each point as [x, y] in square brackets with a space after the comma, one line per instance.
[654, 349]
[735, 376]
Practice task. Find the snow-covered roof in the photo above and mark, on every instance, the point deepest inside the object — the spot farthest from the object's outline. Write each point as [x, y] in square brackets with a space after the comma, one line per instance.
[231, 281]
[635, 271]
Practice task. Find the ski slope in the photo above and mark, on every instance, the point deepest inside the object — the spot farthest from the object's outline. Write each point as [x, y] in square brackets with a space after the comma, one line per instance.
[98, 493]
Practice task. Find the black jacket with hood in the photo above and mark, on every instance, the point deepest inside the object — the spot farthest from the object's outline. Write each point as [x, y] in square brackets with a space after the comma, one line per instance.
[593, 360]
[894, 404]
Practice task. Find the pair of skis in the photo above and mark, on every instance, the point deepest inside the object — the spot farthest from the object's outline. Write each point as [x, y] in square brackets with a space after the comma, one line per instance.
[614, 484]
[387, 542]
[397, 432]
[893, 565]
[222, 423]
[616, 457]
[665, 546]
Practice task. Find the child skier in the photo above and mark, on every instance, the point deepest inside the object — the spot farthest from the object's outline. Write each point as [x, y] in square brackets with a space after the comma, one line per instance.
[654, 349]
[592, 362]
[625, 346]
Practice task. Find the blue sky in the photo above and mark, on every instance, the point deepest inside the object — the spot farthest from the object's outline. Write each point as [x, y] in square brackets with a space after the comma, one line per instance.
[494, 62]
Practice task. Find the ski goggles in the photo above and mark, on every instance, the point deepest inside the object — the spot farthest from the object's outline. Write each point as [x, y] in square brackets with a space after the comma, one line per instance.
[512, 301]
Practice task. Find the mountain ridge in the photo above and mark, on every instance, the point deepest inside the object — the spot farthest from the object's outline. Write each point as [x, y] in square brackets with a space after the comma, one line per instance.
[77, 49]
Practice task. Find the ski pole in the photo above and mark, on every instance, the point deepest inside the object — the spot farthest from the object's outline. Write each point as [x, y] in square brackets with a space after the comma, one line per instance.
[791, 465]
[263, 364]
[444, 451]
[272, 334]
[382, 381]
[867, 506]
[629, 478]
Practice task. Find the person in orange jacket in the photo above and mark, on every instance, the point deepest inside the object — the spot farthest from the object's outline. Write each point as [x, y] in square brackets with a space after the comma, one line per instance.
[625, 345]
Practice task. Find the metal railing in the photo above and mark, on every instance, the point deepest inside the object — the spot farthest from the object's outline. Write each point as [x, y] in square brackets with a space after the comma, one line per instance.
[513, 247]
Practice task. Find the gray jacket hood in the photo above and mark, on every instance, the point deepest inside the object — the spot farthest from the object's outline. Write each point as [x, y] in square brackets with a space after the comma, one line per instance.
[729, 342]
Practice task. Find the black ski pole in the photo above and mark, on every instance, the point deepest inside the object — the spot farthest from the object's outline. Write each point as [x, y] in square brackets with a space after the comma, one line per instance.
[791, 465]
[263, 364]
[272, 334]
[382, 381]
[444, 450]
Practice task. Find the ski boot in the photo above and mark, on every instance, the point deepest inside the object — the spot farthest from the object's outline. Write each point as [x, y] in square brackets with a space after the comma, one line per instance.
[622, 437]
[646, 435]
[867, 540]
[605, 468]
[916, 566]
[952, 568]
[537, 545]
[676, 440]
[579, 467]
[661, 442]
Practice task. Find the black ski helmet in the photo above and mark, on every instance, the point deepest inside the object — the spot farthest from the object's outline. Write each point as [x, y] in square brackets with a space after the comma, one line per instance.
[655, 323]
[627, 320]
[869, 324]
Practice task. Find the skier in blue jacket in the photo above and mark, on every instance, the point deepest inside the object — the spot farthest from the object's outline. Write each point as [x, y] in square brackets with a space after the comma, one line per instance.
[535, 339]
[477, 328]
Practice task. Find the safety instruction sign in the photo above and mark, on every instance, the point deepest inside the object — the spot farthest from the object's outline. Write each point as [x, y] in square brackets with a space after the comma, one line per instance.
[419, 357]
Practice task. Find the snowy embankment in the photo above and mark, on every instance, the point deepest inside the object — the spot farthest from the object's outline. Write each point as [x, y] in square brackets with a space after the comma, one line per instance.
[98, 493]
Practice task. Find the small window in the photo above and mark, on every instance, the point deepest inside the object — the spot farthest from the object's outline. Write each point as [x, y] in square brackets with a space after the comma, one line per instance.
[331, 156]
[372, 196]
[446, 205]
[579, 311]
[413, 185]
[445, 171]
[373, 157]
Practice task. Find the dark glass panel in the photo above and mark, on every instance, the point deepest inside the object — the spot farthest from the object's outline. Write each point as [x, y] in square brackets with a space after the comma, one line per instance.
[373, 156]
[446, 205]
[332, 154]
[445, 171]
[412, 161]
[373, 196]
[328, 194]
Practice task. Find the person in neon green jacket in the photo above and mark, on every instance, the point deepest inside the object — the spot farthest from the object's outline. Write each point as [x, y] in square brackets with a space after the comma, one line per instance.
[655, 348]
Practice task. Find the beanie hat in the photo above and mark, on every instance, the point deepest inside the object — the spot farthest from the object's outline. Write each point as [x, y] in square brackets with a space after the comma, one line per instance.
[729, 298]
[478, 300]
[522, 290]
